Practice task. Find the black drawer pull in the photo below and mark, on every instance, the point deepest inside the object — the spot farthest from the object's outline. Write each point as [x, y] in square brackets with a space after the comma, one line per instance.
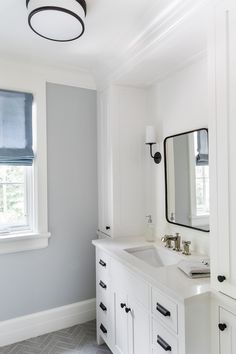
[221, 278]
[163, 344]
[122, 305]
[103, 329]
[102, 285]
[108, 228]
[103, 264]
[102, 306]
[222, 326]
[162, 310]
[127, 310]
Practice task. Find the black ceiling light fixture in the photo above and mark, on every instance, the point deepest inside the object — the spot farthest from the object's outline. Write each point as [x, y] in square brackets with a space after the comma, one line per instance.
[57, 20]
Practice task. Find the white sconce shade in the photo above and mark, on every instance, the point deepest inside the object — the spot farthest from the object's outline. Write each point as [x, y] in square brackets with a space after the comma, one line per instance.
[150, 135]
[57, 20]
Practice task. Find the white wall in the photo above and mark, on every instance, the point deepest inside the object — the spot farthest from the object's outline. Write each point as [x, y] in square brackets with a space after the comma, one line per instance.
[177, 104]
[130, 106]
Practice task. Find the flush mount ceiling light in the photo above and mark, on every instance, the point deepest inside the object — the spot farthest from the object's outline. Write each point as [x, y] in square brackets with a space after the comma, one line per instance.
[57, 20]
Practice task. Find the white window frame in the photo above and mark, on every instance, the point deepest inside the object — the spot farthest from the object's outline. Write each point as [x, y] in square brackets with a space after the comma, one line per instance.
[26, 81]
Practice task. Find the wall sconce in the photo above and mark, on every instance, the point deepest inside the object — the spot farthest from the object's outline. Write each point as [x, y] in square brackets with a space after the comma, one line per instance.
[151, 140]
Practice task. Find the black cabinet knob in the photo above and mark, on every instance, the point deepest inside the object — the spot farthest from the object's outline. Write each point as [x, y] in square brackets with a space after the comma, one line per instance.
[122, 305]
[108, 228]
[127, 310]
[222, 326]
[221, 278]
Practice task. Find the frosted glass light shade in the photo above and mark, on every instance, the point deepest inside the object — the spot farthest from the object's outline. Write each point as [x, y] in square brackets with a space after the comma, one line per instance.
[150, 135]
[57, 20]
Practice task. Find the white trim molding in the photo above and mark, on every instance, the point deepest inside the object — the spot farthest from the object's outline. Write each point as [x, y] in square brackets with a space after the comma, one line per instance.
[23, 242]
[34, 325]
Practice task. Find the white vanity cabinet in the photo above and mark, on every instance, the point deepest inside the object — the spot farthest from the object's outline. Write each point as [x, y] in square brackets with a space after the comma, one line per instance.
[124, 324]
[223, 324]
[131, 315]
[223, 147]
[103, 298]
[227, 327]
[139, 318]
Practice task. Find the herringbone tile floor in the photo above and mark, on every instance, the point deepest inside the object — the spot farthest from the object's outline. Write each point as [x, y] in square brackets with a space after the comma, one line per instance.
[79, 339]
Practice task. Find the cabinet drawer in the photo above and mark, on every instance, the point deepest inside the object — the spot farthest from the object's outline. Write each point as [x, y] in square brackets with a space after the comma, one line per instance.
[102, 263]
[122, 278]
[103, 330]
[165, 309]
[163, 340]
[103, 309]
[103, 291]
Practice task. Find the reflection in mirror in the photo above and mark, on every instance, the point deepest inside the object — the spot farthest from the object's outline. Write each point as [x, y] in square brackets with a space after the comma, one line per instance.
[187, 179]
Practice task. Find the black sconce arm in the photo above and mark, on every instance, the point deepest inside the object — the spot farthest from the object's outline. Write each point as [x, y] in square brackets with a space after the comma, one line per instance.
[157, 156]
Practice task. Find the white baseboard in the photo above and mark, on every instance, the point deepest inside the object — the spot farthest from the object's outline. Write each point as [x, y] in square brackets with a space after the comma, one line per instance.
[26, 327]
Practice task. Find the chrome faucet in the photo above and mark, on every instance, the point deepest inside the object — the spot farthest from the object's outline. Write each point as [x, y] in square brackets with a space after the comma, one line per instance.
[167, 239]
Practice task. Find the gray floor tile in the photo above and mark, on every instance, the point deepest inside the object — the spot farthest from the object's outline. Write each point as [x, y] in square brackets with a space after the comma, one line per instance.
[79, 339]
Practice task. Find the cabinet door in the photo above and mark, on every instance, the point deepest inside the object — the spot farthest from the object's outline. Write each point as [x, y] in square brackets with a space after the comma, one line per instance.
[223, 147]
[120, 323]
[104, 164]
[227, 336]
[139, 328]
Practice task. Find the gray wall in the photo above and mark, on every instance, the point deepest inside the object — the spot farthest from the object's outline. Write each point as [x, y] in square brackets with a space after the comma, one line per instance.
[182, 182]
[63, 273]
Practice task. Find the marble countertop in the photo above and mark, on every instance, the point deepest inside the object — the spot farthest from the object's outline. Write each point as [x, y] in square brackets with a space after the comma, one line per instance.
[169, 279]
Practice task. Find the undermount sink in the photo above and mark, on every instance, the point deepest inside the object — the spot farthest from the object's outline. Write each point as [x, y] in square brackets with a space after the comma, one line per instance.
[155, 256]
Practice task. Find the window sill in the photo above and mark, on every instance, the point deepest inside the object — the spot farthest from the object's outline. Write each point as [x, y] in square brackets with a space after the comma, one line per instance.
[23, 242]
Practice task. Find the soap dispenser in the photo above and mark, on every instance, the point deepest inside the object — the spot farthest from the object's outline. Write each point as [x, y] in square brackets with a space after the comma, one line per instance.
[149, 234]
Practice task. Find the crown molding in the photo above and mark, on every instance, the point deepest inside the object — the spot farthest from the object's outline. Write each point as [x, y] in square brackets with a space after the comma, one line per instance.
[150, 39]
[63, 75]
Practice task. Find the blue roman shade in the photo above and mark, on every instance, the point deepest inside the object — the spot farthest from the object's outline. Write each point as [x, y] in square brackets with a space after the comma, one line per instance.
[16, 128]
[202, 158]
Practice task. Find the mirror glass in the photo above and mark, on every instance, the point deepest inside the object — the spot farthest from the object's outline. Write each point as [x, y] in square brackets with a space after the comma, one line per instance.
[187, 179]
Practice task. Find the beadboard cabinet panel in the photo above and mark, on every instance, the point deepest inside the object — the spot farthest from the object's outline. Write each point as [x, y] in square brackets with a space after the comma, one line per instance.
[122, 118]
[223, 147]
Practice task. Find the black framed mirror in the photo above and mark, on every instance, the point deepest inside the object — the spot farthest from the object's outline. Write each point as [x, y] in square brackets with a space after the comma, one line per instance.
[186, 158]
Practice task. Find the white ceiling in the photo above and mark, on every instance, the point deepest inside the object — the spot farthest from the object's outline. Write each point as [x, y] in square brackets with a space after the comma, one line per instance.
[111, 26]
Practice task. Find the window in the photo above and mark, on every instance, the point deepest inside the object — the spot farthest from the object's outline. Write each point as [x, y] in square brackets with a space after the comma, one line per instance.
[202, 190]
[14, 198]
[23, 149]
[16, 160]
[201, 173]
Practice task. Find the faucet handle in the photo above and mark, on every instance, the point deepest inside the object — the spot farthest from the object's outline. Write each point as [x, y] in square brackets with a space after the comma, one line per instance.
[186, 250]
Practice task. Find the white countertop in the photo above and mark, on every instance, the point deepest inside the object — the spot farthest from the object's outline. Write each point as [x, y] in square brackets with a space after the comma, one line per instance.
[169, 279]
